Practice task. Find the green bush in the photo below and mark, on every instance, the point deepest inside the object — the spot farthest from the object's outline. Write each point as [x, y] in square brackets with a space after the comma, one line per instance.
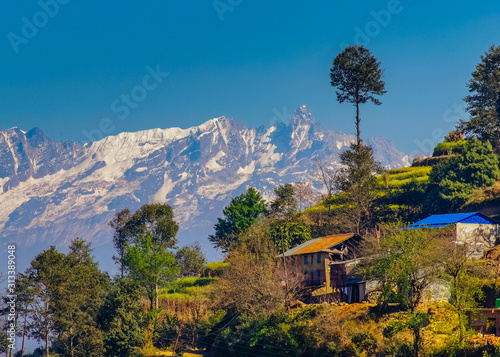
[214, 269]
[448, 148]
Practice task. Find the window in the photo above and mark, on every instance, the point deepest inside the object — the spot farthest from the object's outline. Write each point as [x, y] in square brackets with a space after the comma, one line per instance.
[312, 258]
[319, 276]
[305, 260]
[312, 275]
[319, 258]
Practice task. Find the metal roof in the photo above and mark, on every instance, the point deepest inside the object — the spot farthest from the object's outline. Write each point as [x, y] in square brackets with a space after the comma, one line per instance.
[319, 244]
[443, 220]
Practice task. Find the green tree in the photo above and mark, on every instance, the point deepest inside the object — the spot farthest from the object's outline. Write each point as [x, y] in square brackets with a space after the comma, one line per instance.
[456, 178]
[77, 306]
[4, 341]
[358, 78]
[288, 234]
[155, 219]
[239, 216]
[191, 260]
[48, 274]
[123, 234]
[120, 318]
[358, 187]
[24, 302]
[404, 262]
[285, 205]
[465, 277]
[151, 265]
[484, 87]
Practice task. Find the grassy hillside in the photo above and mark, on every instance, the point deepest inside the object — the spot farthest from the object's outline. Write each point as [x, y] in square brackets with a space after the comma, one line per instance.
[399, 177]
[187, 288]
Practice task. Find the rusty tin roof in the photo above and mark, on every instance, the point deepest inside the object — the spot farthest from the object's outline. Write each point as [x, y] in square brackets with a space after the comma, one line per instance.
[319, 244]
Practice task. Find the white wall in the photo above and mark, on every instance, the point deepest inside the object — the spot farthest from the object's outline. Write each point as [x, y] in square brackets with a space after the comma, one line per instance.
[478, 236]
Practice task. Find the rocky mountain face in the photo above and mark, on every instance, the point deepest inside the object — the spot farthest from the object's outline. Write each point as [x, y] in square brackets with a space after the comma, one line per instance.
[51, 192]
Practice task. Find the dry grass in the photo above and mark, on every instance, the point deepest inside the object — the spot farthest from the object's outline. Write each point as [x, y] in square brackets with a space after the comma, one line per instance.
[346, 320]
[485, 194]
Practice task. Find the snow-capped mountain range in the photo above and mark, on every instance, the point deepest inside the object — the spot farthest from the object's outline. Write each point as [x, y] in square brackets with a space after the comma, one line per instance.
[51, 192]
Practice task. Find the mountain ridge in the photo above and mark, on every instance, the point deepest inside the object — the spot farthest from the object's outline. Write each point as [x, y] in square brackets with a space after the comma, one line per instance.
[52, 191]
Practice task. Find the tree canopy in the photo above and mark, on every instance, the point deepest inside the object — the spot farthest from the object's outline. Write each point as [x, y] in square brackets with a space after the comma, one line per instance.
[156, 219]
[241, 214]
[358, 78]
[191, 260]
[150, 264]
[358, 187]
[484, 99]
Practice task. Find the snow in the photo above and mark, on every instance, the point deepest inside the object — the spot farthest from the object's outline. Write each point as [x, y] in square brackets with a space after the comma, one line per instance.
[213, 165]
[232, 158]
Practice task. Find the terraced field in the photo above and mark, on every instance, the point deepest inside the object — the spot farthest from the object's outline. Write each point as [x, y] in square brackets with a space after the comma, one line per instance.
[399, 177]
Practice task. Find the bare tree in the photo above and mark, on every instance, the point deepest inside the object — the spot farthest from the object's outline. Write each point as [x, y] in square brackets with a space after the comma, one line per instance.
[305, 194]
[257, 279]
[326, 175]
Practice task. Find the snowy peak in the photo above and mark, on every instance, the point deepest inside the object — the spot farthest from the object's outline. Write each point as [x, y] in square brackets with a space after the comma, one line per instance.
[52, 191]
[302, 116]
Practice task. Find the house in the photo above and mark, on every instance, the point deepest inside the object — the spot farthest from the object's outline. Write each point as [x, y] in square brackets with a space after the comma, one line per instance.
[475, 229]
[321, 260]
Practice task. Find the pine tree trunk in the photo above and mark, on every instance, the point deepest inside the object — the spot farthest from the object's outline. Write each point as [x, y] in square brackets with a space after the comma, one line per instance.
[71, 343]
[47, 343]
[24, 334]
[358, 132]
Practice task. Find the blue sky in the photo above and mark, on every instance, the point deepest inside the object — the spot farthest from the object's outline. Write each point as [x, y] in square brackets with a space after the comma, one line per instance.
[64, 64]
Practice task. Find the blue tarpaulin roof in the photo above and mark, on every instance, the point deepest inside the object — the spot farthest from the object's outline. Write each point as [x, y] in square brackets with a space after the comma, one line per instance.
[443, 220]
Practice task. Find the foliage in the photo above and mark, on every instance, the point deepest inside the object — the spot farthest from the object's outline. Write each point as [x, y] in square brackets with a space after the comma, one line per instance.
[484, 88]
[358, 78]
[155, 219]
[78, 306]
[120, 318]
[151, 265]
[166, 333]
[282, 333]
[414, 321]
[364, 341]
[191, 260]
[455, 179]
[255, 281]
[449, 148]
[181, 285]
[358, 184]
[67, 292]
[4, 341]
[48, 272]
[122, 234]
[215, 269]
[288, 234]
[454, 136]
[285, 205]
[404, 263]
[239, 216]
[465, 277]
